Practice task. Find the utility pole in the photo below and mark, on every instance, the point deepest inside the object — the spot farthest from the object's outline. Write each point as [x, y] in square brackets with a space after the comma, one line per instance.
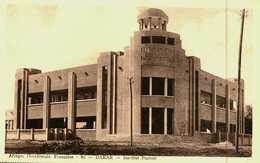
[239, 78]
[131, 111]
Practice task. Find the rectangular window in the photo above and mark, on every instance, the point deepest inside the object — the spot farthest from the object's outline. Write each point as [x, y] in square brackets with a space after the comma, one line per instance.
[146, 39]
[205, 97]
[86, 122]
[221, 127]
[170, 122]
[221, 102]
[157, 120]
[232, 128]
[233, 105]
[145, 85]
[205, 125]
[170, 89]
[104, 97]
[59, 95]
[58, 122]
[35, 98]
[171, 41]
[158, 39]
[157, 86]
[145, 121]
[86, 93]
[34, 123]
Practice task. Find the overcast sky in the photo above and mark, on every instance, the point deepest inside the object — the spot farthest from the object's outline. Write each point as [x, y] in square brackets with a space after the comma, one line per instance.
[51, 35]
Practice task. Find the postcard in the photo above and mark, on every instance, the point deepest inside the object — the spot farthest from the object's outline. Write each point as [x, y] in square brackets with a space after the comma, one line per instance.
[128, 81]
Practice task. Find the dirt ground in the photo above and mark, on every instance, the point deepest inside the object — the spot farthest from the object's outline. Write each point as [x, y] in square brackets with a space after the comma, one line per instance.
[123, 148]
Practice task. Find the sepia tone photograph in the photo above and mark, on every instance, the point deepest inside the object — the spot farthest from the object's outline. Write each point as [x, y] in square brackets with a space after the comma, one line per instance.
[102, 80]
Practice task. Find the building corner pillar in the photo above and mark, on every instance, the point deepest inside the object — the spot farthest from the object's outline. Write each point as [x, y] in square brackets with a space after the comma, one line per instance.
[228, 108]
[46, 103]
[214, 115]
[71, 111]
[165, 121]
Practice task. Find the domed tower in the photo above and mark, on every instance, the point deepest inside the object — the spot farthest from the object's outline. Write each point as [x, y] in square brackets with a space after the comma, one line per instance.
[160, 70]
[160, 75]
[152, 19]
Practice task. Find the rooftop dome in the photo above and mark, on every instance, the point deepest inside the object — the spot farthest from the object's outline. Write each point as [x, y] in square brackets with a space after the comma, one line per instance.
[152, 12]
[152, 19]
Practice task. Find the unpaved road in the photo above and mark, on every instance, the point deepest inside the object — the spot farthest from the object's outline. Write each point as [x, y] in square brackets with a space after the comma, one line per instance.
[106, 148]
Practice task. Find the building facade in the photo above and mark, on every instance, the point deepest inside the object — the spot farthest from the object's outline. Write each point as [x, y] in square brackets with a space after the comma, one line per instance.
[170, 94]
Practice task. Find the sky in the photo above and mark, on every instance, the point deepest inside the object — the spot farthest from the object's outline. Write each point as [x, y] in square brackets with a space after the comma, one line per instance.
[57, 34]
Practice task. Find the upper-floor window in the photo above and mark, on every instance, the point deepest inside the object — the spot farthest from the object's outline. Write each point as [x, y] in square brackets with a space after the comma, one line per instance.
[157, 86]
[170, 87]
[206, 97]
[145, 85]
[86, 93]
[171, 41]
[59, 95]
[35, 98]
[233, 105]
[158, 39]
[221, 101]
[146, 39]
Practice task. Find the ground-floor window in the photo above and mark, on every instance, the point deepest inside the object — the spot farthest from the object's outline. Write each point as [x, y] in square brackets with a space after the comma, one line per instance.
[145, 121]
[34, 123]
[232, 128]
[86, 122]
[248, 125]
[170, 121]
[221, 127]
[157, 121]
[205, 125]
[58, 123]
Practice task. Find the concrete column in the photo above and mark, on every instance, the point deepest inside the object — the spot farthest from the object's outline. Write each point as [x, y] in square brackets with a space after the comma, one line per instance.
[165, 86]
[65, 131]
[20, 98]
[114, 86]
[47, 133]
[55, 134]
[71, 111]
[228, 108]
[198, 102]
[46, 102]
[150, 120]
[23, 98]
[26, 73]
[32, 133]
[214, 116]
[18, 133]
[22, 104]
[150, 24]
[150, 86]
[165, 121]
[16, 111]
